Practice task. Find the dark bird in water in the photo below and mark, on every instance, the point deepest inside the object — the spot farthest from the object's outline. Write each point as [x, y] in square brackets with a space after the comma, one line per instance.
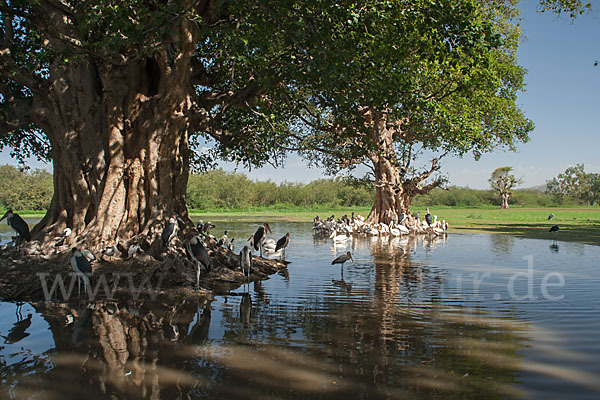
[18, 224]
[199, 254]
[82, 268]
[246, 262]
[260, 235]
[550, 216]
[170, 231]
[554, 229]
[428, 218]
[283, 243]
[342, 259]
[17, 332]
[223, 239]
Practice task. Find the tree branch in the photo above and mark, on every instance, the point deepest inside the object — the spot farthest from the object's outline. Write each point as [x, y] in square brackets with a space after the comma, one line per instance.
[15, 113]
[11, 71]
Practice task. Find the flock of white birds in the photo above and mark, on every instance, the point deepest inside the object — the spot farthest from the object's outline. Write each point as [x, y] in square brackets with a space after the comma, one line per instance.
[343, 229]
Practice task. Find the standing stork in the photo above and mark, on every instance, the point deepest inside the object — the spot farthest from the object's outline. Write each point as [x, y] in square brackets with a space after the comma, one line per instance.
[170, 230]
[246, 262]
[82, 268]
[550, 216]
[554, 229]
[282, 244]
[260, 235]
[342, 259]
[199, 254]
[428, 218]
[18, 224]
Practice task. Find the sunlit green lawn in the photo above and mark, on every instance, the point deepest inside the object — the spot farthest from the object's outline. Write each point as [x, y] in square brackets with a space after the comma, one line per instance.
[576, 224]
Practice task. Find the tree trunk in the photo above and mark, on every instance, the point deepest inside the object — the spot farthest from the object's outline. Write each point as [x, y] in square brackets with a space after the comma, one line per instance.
[390, 197]
[504, 197]
[119, 146]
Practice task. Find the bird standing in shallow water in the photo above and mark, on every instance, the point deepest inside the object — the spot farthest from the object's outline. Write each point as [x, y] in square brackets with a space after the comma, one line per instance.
[342, 259]
[282, 244]
[428, 218]
[554, 229]
[246, 262]
[18, 224]
[198, 252]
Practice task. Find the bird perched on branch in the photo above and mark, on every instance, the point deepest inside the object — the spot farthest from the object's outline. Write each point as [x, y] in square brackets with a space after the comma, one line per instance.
[170, 231]
[260, 235]
[283, 243]
[223, 239]
[18, 224]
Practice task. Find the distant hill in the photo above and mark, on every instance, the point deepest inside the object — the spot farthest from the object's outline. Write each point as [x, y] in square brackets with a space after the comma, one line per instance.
[538, 188]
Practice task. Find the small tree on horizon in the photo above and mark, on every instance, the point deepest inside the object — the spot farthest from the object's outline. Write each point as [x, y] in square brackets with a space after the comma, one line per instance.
[503, 181]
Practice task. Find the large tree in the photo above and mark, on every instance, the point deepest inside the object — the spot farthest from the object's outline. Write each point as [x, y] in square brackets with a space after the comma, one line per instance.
[433, 78]
[575, 182]
[114, 94]
[502, 181]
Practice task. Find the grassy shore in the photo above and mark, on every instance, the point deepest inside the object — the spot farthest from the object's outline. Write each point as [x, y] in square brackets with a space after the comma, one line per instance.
[576, 224]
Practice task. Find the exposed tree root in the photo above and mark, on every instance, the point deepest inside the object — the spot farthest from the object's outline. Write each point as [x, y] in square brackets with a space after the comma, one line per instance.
[31, 272]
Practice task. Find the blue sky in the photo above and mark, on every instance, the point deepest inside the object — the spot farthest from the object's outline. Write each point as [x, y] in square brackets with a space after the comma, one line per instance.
[562, 98]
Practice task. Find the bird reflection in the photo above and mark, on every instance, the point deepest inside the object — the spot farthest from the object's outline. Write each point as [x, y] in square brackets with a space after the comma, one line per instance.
[554, 247]
[260, 293]
[199, 332]
[245, 309]
[83, 325]
[17, 332]
[341, 283]
[171, 331]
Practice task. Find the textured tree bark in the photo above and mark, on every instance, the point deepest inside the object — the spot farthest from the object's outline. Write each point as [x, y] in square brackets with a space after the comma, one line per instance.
[394, 191]
[119, 145]
[389, 190]
[389, 199]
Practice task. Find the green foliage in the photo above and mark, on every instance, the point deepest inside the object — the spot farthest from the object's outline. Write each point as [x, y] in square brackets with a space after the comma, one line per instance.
[24, 190]
[220, 190]
[577, 184]
[571, 7]
[443, 73]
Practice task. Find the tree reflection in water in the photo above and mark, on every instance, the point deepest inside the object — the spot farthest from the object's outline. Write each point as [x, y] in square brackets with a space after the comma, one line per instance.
[391, 338]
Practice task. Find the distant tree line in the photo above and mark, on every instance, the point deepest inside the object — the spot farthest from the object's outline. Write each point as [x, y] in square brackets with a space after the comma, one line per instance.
[32, 190]
[22, 189]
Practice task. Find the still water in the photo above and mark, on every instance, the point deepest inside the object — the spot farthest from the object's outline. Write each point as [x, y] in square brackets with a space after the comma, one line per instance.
[468, 316]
